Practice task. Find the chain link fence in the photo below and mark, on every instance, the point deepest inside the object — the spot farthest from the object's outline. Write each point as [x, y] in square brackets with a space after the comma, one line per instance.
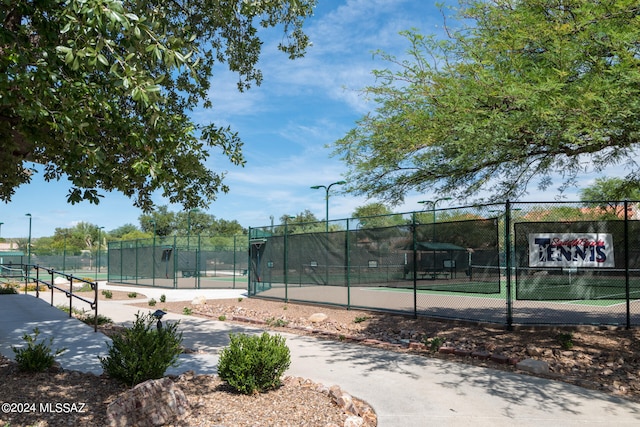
[180, 262]
[513, 263]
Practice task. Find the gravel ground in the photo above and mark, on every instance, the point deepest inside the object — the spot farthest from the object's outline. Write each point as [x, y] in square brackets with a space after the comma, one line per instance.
[598, 358]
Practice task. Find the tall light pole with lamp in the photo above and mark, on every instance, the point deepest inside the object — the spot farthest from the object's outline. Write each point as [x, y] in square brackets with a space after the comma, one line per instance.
[1, 228]
[433, 226]
[327, 188]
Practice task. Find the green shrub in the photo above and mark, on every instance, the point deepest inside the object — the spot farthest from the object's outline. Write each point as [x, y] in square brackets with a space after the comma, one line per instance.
[566, 340]
[85, 287]
[143, 352]
[222, 318]
[434, 344]
[37, 356]
[90, 319]
[254, 363]
[152, 302]
[65, 308]
[8, 289]
[276, 323]
[361, 319]
[188, 311]
[163, 298]
[132, 294]
[107, 294]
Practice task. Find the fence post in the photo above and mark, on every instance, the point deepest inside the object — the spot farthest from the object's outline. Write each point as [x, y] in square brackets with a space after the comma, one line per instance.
[415, 268]
[507, 253]
[626, 262]
[348, 266]
[175, 263]
[234, 260]
[286, 261]
[199, 263]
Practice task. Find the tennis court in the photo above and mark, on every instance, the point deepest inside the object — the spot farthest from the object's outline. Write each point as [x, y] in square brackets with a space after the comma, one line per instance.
[463, 299]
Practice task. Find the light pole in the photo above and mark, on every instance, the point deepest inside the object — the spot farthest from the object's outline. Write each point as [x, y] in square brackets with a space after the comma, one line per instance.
[1, 228]
[433, 227]
[189, 225]
[29, 243]
[327, 188]
[98, 254]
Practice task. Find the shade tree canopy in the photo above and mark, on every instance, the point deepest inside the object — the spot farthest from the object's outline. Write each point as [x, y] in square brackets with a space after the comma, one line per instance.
[515, 93]
[99, 91]
[609, 194]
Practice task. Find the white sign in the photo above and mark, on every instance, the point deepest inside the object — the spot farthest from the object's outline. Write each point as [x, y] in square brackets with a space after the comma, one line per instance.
[571, 250]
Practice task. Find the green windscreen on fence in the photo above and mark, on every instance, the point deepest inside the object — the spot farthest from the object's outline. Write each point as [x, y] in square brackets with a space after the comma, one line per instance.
[180, 262]
[449, 256]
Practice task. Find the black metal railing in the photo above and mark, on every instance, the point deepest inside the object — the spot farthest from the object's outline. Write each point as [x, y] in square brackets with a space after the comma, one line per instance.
[39, 279]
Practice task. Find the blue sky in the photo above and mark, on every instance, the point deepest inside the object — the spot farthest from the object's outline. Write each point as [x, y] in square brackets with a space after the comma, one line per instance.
[285, 124]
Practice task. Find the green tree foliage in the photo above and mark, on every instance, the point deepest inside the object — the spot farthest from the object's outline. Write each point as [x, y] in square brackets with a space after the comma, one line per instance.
[304, 222]
[72, 241]
[609, 194]
[99, 91]
[194, 222]
[518, 91]
[160, 221]
[123, 230]
[374, 215]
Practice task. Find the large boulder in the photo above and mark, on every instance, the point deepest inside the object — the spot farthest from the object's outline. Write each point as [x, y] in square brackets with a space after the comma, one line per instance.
[149, 404]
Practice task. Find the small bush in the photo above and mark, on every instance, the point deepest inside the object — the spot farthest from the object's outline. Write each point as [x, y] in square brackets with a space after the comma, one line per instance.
[277, 323]
[163, 298]
[152, 302]
[132, 295]
[8, 289]
[361, 319]
[434, 344]
[143, 352]
[566, 340]
[107, 294]
[36, 357]
[85, 287]
[222, 318]
[254, 363]
[31, 287]
[90, 319]
[187, 311]
[239, 299]
[65, 308]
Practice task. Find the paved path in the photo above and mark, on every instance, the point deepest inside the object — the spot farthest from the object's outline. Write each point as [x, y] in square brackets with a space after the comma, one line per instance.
[405, 390]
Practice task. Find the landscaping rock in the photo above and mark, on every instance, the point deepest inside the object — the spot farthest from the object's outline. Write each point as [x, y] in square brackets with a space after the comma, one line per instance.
[149, 404]
[199, 300]
[534, 366]
[318, 317]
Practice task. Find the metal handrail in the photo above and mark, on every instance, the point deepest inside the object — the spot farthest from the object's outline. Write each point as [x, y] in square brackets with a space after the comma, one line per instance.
[69, 293]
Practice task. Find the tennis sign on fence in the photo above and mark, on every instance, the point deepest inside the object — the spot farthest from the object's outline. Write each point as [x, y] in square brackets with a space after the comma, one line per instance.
[571, 250]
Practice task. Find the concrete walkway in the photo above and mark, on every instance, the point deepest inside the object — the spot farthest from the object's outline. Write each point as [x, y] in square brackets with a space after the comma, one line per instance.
[405, 390]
